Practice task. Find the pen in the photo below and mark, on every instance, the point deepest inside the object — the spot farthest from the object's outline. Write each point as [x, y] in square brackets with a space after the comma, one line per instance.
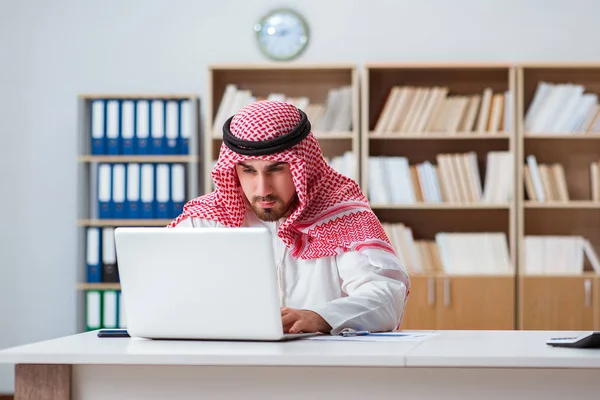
[354, 333]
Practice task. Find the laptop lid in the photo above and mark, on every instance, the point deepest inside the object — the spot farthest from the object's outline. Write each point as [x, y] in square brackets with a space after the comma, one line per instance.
[199, 283]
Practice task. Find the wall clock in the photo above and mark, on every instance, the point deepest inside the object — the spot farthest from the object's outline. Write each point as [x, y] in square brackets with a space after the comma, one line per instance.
[282, 34]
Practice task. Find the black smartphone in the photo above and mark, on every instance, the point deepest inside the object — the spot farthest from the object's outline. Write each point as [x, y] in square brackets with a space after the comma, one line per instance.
[109, 333]
[589, 340]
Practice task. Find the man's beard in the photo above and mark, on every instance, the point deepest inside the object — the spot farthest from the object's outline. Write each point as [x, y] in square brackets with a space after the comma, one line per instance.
[274, 213]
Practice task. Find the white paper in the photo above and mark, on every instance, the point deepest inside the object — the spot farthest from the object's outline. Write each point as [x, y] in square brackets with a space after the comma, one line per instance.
[379, 337]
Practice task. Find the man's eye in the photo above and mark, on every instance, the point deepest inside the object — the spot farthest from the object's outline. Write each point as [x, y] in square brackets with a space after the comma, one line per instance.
[275, 169]
[247, 171]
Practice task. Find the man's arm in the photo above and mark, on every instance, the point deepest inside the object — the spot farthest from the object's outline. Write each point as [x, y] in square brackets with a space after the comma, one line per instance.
[377, 287]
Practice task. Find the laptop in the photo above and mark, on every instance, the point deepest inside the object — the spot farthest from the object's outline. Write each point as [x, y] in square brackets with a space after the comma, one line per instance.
[200, 283]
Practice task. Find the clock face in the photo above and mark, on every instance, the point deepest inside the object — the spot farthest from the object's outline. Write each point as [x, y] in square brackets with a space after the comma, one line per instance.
[282, 34]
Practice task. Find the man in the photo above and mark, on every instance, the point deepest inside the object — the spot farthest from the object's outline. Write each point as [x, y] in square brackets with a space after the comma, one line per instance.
[336, 267]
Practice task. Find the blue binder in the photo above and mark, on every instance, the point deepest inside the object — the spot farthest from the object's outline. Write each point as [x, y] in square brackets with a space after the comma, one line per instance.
[142, 127]
[127, 118]
[147, 191]
[93, 255]
[177, 188]
[172, 132]
[104, 191]
[118, 190]
[185, 112]
[98, 127]
[163, 191]
[113, 131]
[132, 197]
[157, 126]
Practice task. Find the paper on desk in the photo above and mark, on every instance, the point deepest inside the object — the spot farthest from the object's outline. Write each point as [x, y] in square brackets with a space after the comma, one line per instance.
[379, 337]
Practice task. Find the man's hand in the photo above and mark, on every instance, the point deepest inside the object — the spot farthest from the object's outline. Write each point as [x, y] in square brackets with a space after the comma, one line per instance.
[295, 321]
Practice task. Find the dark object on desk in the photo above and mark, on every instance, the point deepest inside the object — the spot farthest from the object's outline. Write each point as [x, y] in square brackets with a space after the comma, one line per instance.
[586, 341]
[113, 333]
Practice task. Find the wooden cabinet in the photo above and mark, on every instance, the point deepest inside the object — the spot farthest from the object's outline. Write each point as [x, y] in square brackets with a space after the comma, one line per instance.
[461, 302]
[557, 302]
[421, 309]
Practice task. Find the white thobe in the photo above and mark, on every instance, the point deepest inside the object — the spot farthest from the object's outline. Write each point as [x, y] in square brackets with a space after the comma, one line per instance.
[350, 290]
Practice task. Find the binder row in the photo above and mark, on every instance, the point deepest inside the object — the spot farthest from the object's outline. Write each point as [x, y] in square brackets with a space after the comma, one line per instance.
[140, 126]
[140, 190]
[104, 309]
[101, 255]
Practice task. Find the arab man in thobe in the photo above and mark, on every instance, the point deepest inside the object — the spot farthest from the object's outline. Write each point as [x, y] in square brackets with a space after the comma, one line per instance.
[336, 268]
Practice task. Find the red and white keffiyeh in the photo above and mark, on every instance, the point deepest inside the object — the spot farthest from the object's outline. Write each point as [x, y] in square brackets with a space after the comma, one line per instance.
[332, 216]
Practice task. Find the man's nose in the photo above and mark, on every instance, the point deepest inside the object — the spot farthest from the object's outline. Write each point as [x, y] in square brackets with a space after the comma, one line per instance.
[263, 187]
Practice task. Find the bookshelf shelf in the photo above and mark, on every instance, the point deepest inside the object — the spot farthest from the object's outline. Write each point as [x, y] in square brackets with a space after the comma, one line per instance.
[135, 96]
[562, 136]
[323, 91]
[139, 159]
[98, 286]
[568, 205]
[124, 222]
[558, 195]
[441, 206]
[438, 136]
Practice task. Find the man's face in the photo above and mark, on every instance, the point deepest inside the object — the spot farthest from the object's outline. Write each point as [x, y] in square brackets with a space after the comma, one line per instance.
[269, 188]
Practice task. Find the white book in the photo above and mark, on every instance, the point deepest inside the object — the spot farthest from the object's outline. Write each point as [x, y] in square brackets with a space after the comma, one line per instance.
[536, 178]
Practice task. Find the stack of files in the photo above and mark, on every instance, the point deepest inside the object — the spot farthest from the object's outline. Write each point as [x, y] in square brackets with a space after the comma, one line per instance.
[562, 108]
[140, 191]
[145, 126]
[101, 258]
[558, 255]
[455, 253]
[333, 115]
[418, 109]
[545, 182]
[104, 309]
[454, 179]
[344, 164]
[474, 253]
[418, 256]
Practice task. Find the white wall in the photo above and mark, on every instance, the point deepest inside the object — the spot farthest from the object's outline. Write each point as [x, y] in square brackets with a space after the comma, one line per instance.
[52, 50]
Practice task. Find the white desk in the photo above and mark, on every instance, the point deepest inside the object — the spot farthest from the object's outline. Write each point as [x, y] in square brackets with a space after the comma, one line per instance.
[453, 365]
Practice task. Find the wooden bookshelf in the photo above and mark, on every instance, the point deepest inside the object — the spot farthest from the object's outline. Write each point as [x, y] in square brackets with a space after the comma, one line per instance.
[313, 81]
[183, 152]
[445, 300]
[563, 146]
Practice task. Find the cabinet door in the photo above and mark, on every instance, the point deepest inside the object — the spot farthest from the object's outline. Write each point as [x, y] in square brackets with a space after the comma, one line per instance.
[557, 303]
[476, 302]
[420, 311]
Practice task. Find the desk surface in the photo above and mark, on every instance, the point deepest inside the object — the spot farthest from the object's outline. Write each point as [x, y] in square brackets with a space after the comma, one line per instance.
[512, 349]
[87, 348]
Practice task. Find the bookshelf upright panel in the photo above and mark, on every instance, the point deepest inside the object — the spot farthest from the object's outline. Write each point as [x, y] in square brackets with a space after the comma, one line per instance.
[138, 163]
[327, 93]
[437, 163]
[559, 196]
